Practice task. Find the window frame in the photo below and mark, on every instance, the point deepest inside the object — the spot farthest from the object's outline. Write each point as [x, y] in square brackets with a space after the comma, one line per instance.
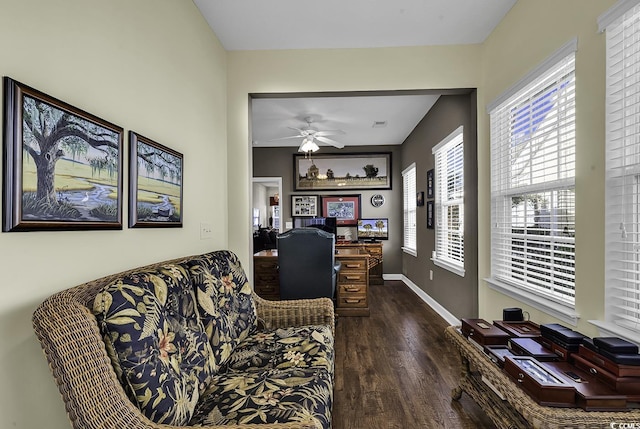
[502, 198]
[409, 209]
[444, 254]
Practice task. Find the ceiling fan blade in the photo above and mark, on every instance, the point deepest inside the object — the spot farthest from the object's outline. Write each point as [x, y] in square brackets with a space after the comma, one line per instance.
[286, 138]
[329, 133]
[329, 141]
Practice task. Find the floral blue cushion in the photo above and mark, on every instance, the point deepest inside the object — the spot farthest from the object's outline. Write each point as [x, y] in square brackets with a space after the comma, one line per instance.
[156, 341]
[299, 347]
[276, 396]
[225, 301]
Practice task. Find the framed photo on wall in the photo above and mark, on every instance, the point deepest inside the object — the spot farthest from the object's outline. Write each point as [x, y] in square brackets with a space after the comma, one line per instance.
[430, 183]
[155, 184]
[62, 166]
[430, 220]
[345, 208]
[304, 205]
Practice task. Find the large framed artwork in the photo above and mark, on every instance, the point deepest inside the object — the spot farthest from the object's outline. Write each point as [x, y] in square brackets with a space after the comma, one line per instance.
[155, 184]
[304, 205]
[62, 166]
[347, 171]
[345, 208]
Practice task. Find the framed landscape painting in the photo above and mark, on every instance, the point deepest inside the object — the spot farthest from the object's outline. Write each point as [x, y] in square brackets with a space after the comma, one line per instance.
[346, 171]
[155, 184]
[345, 208]
[62, 166]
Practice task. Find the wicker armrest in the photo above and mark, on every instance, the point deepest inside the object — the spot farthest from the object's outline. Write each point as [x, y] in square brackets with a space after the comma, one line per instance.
[281, 314]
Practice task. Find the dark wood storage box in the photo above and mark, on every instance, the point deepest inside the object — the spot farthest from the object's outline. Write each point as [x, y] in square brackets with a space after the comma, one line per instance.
[483, 333]
[519, 329]
[530, 347]
[629, 386]
[591, 393]
[497, 354]
[543, 384]
[616, 369]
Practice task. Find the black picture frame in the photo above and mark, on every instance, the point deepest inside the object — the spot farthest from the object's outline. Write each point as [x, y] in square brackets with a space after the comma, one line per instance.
[342, 172]
[430, 183]
[155, 184]
[62, 166]
[305, 206]
[430, 214]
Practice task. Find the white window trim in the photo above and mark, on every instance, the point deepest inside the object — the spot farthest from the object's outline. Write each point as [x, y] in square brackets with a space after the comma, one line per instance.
[553, 308]
[566, 313]
[408, 250]
[615, 12]
[453, 266]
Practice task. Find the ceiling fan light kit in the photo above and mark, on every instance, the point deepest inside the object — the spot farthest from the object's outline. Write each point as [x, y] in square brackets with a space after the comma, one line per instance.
[308, 145]
[311, 135]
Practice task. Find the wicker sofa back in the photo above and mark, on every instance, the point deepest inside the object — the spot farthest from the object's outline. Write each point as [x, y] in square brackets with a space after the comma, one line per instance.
[293, 349]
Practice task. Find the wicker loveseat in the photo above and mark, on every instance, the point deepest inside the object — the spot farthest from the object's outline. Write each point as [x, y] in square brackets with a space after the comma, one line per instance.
[187, 342]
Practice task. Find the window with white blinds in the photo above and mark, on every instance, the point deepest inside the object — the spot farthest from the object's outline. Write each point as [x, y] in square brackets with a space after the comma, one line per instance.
[533, 183]
[622, 189]
[449, 202]
[409, 209]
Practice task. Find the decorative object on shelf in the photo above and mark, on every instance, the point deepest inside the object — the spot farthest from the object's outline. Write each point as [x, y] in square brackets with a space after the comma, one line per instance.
[377, 200]
[62, 166]
[430, 224]
[155, 184]
[345, 208]
[420, 199]
[304, 205]
[331, 172]
[430, 183]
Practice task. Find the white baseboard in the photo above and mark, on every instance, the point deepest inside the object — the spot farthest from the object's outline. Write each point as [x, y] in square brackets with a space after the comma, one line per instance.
[442, 312]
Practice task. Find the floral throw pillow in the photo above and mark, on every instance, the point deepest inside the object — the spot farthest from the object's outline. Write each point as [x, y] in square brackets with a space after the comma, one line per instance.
[225, 301]
[156, 341]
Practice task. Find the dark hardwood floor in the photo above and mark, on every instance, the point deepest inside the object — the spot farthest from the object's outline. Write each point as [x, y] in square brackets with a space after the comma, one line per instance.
[395, 369]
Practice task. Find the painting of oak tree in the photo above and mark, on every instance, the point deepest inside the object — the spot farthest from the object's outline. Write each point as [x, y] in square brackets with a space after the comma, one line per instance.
[159, 182]
[70, 166]
[339, 172]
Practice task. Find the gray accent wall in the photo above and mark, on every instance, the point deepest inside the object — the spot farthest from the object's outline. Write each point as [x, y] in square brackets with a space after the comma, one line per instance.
[459, 295]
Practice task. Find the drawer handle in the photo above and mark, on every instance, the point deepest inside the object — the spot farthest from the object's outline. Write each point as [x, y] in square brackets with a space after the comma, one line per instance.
[352, 277]
[352, 289]
[352, 265]
[352, 301]
[520, 377]
[593, 371]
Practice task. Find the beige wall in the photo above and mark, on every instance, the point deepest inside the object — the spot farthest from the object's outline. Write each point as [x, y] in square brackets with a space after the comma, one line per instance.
[526, 37]
[149, 66]
[326, 70]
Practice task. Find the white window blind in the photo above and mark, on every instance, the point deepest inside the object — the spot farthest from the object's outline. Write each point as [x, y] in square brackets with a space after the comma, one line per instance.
[449, 200]
[533, 183]
[622, 190]
[409, 209]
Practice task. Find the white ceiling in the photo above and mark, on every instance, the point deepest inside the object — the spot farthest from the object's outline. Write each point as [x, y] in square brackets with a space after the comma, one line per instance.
[314, 24]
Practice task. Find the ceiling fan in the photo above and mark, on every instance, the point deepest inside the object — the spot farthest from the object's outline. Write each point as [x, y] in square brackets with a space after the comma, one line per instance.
[309, 136]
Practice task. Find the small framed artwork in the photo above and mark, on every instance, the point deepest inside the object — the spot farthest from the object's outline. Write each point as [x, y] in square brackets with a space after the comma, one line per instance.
[304, 205]
[62, 166]
[155, 184]
[430, 220]
[345, 208]
[420, 199]
[430, 183]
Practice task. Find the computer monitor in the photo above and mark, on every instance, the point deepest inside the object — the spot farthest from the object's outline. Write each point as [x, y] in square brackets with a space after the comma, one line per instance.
[328, 224]
[373, 229]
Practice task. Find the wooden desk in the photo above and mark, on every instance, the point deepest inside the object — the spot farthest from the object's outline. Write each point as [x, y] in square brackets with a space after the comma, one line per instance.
[518, 410]
[375, 262]
[352, 286]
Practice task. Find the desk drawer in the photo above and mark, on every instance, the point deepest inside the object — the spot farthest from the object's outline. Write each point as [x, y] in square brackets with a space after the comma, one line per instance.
[352, 277]
[344, 290]
[353, 265]
[264, 265]
[268, 289]
[267, 278]
[352, 300]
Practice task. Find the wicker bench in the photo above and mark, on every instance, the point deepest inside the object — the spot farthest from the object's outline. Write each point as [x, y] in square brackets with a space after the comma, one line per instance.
[95, 395]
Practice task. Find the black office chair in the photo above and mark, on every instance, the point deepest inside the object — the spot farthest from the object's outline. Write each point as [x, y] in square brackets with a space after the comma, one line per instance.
[307, 265]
